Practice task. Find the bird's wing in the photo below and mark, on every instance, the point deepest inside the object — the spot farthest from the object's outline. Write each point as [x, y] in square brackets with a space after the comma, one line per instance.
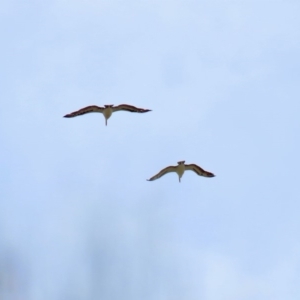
[130, 108]
[163, 172]
[85, 110]
[199, 170]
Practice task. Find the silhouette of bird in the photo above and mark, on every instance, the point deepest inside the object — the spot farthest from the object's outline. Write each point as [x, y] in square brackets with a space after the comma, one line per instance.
[180, 168]
[107, 110]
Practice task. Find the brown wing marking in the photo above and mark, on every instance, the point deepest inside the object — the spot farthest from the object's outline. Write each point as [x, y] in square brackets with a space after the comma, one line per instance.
[163, 172]
[199, 171]
[130, 108]
[85, 110]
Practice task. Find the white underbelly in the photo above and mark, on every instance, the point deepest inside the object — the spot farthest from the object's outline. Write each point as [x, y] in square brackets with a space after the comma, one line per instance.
[180, 170]
[107, 112]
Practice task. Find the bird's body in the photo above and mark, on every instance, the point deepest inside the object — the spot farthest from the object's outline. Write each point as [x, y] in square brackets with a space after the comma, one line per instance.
[107, 110]
[180, 169]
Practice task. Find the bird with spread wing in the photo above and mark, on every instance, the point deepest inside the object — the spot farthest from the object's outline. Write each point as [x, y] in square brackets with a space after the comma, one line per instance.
[107, 110]
[180, 168]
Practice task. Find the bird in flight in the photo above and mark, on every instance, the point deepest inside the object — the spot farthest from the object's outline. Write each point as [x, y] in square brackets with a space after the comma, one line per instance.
[180, 168]
[107, 110]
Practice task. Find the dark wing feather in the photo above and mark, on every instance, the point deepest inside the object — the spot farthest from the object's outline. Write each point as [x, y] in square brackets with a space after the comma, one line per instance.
[130, 108]
[163, 172]
[85, 110]
[199, 170]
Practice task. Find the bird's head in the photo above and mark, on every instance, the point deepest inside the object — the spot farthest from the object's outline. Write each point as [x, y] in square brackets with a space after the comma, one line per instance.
[181, 162]
[108, 105]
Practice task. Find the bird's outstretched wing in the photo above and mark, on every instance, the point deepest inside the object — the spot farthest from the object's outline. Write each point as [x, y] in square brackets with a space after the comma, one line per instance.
[85, 110]
[163, 172]
[130, 108]
[199, 170]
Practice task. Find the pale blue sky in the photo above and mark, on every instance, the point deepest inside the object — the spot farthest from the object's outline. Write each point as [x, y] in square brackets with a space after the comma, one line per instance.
[78, 220]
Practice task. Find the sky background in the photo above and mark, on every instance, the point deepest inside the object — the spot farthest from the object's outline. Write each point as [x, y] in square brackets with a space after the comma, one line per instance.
[78, 220]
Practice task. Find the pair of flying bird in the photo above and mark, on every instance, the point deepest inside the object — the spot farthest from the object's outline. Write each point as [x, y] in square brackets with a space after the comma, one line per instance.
[108, 110]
